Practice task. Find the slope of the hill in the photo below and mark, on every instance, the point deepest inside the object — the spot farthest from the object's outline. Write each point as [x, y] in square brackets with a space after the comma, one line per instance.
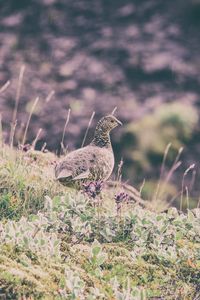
[56, 243]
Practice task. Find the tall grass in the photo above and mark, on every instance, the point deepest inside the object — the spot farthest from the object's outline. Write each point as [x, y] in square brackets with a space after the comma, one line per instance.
[87, 129]
[19, 86]
[29, 119]
[64, 130]
[4, 87]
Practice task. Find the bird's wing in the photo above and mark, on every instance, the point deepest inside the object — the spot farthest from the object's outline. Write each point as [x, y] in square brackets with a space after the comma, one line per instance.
[83, 175]
[64, 174]
[75, 165]
[68, 174]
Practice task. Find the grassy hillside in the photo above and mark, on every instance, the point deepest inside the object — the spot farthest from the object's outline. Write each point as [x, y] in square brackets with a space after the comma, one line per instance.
[58, 243]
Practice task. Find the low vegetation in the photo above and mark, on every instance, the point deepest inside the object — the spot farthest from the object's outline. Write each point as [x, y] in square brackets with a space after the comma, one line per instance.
[59, 243]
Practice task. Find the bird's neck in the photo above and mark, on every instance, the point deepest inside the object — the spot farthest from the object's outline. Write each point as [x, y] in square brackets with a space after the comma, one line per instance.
[101, 139]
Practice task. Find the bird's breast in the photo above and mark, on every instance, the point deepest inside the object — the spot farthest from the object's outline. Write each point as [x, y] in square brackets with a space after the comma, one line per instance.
[102, 162]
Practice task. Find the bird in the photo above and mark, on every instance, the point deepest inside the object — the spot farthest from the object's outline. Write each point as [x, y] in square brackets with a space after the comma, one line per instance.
[93, 162]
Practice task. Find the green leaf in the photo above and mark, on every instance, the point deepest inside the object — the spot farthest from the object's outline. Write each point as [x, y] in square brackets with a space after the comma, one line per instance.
[96, 250]
[101, 259]
[191, 217]
[25, 239]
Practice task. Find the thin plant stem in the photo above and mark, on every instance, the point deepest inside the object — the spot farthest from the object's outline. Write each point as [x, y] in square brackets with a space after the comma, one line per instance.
[164, 159]
[49, 96]
[191, 167]
[193, 180]
[169, 175]
[142, 186]
[187, 197]
[119, 170]
[65, 127]
[114, 110]
[19, 86]
[176, 164]
[86, 133]
[43, 147]
[29, 119]
[4, 87]
[20, 132]
[162, 171]
[178, 155]
[36, 138]
[13, 133]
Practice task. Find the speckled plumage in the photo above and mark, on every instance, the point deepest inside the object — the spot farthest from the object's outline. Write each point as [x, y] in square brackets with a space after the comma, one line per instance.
[93, 162]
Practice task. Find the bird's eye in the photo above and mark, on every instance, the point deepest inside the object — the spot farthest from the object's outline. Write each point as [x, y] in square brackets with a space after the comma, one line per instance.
[112, 121]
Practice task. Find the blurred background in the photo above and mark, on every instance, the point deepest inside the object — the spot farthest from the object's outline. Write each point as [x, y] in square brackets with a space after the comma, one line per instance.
[141, 56]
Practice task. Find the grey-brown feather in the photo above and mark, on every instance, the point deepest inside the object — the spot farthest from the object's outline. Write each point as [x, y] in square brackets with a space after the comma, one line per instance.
[93, 162]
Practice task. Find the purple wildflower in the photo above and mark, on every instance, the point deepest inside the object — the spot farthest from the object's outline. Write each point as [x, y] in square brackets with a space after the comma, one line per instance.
[93, 188]
[119, 198]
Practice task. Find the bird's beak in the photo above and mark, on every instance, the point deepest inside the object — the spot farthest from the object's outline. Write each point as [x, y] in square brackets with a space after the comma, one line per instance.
[119, 122]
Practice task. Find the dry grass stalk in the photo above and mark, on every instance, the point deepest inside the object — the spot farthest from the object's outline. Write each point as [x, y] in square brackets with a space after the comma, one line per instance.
[86, 133]
[29, 119]
[178, 155]
[4, 87]
[49, 96]
[43, 147]
[176, 164]
[161, 172]
[187, 197]
[19, 86]
[20, 132]
[142, 186]
[13, 128]
[36, 138]
[119, 170]
[64, 130]
[193, 179]
[169, 175]
[161, 186]
[114, 110]
[191, 167]
[164, 159]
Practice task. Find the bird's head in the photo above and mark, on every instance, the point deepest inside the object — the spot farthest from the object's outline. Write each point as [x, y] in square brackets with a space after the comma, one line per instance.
[107, 123]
